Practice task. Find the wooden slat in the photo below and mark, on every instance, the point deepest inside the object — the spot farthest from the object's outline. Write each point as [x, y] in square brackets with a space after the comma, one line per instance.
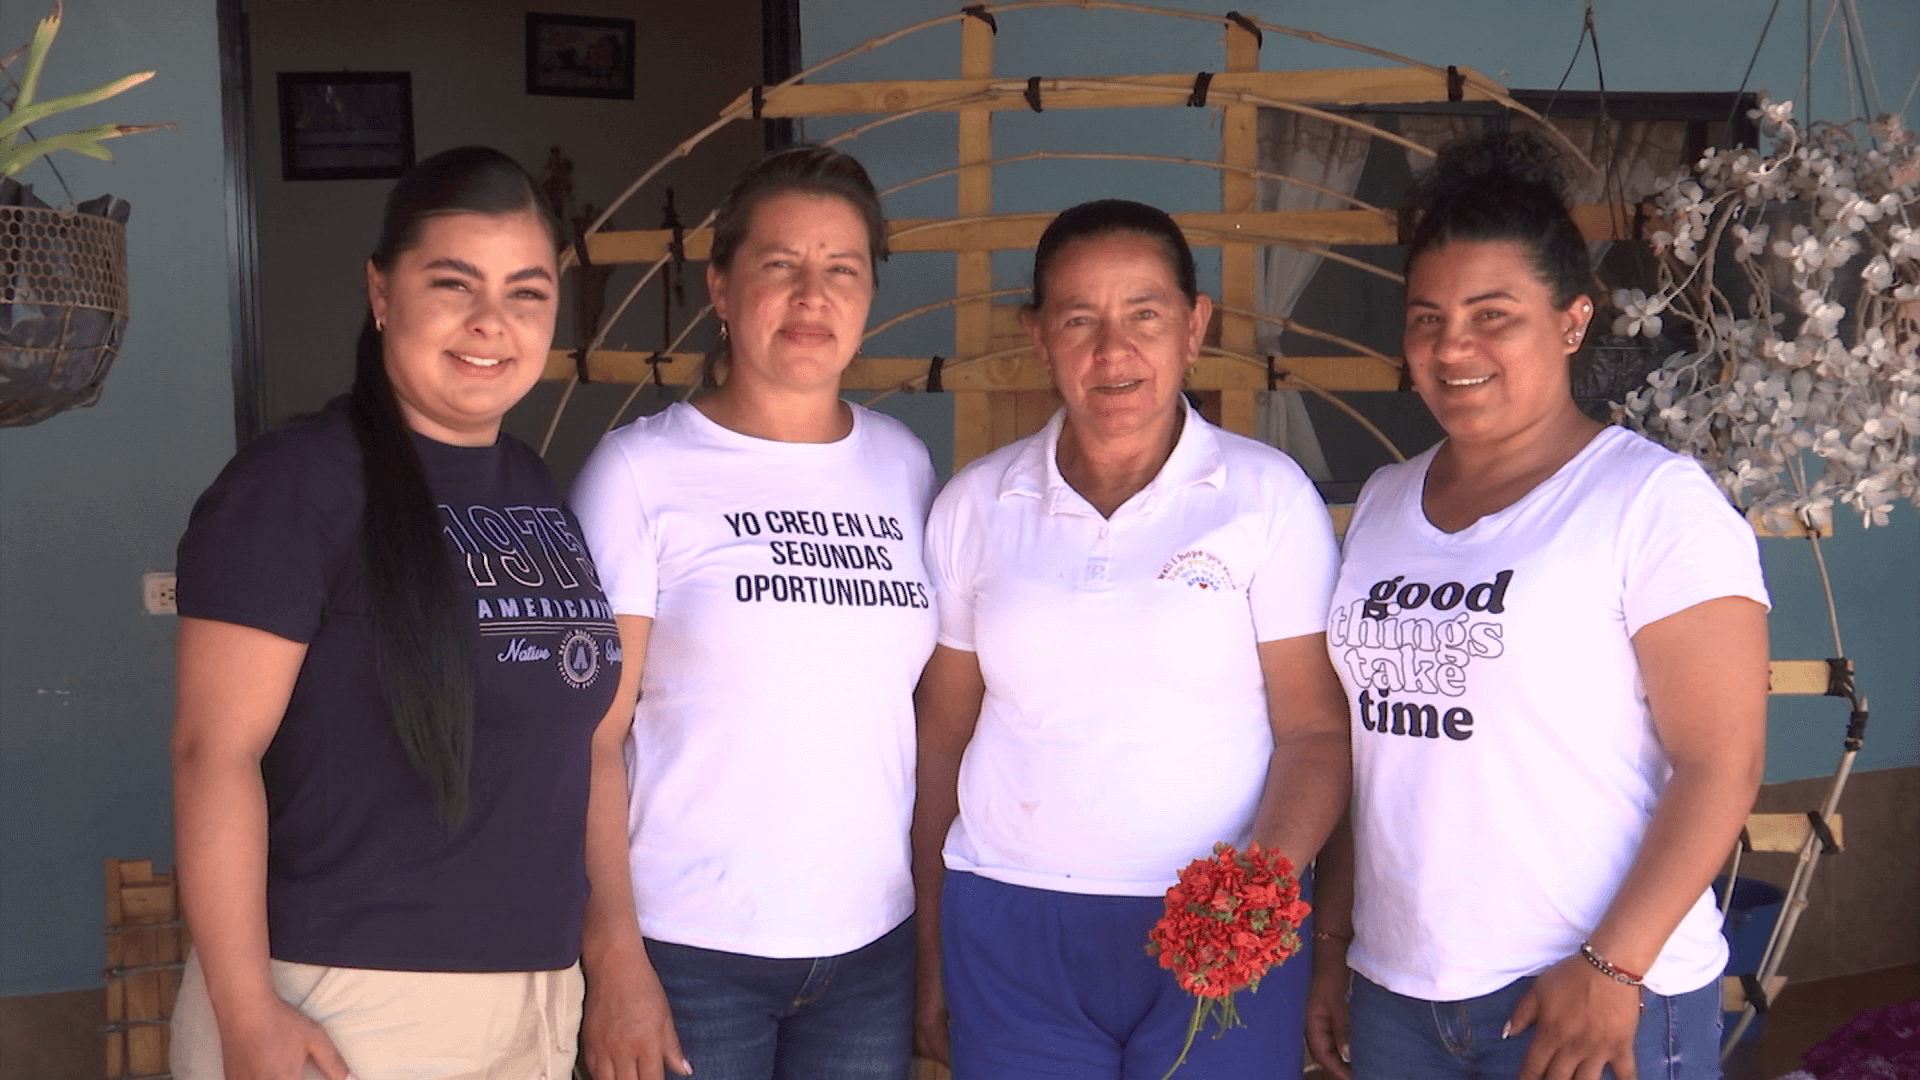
[1017, 372]
[1239, 145]
[147, 1050]
[988, 419]
[1787, 832]
[1346, 86]
[148, 903]
[116, 1056]
[1019, 232]
[1342, 516]
[1733, 995]
[972, 426]
[1797, 677]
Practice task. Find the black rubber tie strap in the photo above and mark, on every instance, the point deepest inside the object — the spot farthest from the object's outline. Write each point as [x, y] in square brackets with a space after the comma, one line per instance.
[1839, 677]
[933, 375]
[1756, 994]
[654, 362]
[1273, 375]
[1403, 225]
[1251, 27]
[1456, 84]
[1033, 94]
[580, 354]
[1828, 845]
[979, 11]
[1198, 99]
[1746, 840]
[759, 101]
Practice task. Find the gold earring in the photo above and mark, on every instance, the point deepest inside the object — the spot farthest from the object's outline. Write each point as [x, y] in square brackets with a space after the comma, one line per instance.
[723, 331]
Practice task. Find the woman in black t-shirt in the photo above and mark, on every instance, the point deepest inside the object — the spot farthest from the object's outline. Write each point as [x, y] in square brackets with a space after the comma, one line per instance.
[396, 678]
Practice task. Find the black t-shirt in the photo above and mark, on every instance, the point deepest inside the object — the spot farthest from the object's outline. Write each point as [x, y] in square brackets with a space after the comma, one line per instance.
[360, 871]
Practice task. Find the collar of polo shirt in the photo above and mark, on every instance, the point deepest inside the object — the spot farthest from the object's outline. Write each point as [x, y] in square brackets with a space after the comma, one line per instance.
[1035, 471]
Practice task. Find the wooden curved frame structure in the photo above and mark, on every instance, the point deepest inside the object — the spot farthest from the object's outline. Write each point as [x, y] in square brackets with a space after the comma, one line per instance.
[990, 363]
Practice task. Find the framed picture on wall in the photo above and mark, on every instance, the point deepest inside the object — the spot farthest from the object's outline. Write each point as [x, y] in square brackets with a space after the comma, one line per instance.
[579, 56]
[345, 125]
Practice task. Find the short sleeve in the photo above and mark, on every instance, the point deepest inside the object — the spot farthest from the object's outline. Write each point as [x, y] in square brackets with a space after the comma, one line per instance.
[607, 500]
[1684, 544]
[949, 570]
[264, 543]
[1290, 591]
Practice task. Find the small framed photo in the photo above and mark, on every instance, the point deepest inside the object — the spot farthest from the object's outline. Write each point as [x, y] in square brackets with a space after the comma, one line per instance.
[345, 125]
[579, 56]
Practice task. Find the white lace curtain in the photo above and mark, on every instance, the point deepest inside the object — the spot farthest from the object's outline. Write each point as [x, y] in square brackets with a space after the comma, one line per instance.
[1329, 156]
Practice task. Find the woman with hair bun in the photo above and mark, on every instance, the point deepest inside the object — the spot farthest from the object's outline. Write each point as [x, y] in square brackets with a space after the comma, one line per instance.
[761, 549]
[397, 683]
[1553, 636]
[1131, 668]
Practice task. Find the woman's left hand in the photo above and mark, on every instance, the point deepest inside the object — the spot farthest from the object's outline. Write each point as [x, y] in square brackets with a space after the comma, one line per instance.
[1586, 1022]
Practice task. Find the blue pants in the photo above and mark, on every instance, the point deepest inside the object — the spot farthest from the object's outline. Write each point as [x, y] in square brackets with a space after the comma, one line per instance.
[1393, 1037]
[847, 1017]
[1051, 984]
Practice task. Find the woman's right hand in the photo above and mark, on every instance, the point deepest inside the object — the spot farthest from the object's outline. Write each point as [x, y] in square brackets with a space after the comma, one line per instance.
[930, 1015]
[627, 1032]
[1327, 1008]
[276, 1044]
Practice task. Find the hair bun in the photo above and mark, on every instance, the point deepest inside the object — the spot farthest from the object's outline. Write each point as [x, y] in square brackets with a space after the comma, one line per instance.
[1497, 159]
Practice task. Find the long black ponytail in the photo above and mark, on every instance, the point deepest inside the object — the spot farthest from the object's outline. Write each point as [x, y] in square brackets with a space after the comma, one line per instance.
[420, 637]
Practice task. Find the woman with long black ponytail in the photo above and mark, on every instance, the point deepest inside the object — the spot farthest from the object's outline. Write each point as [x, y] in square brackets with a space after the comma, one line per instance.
[396, 667]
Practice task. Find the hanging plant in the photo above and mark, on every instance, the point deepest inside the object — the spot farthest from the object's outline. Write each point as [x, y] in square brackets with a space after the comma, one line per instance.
[63, 272]
[1797, 274]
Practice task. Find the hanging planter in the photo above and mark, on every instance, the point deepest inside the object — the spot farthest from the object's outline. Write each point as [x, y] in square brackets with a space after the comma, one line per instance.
[63, 273]
[63, 303]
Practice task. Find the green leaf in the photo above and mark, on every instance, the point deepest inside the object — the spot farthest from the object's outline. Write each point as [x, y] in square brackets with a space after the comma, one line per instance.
[33, 114]
[86, 142]
[36, 59]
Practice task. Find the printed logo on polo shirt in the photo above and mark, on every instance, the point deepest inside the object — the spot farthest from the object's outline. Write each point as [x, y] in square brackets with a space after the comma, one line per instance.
[1199, 569]
[1416, 641]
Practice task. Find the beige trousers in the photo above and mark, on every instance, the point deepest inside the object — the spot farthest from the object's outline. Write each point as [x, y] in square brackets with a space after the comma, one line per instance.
[408, 1025]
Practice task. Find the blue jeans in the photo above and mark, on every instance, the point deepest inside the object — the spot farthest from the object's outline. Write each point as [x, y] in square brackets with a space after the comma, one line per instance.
[846, 1017]
[1059, 985]
[1393, 1037]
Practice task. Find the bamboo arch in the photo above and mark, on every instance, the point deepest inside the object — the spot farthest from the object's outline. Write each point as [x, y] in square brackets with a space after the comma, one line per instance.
[986, 361]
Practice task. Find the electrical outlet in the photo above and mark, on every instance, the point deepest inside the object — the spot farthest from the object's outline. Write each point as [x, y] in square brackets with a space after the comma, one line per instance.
[156, 591]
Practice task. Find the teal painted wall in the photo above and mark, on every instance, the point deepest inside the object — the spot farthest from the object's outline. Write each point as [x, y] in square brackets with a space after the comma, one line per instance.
[1702, 45]
[93, 497]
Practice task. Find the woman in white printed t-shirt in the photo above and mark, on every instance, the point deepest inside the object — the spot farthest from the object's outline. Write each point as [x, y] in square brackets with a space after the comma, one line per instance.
[1131, 668]
[1554, 637]
[761, 550]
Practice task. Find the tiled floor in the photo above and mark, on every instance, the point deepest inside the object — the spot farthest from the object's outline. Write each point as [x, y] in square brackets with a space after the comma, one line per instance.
[1809, 1012]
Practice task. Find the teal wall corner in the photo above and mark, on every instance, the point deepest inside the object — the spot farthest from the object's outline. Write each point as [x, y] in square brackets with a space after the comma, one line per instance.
[91, 498]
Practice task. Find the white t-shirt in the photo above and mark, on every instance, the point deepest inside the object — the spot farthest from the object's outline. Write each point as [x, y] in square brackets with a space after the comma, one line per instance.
[1505, 760]
[771, 760]
[1125, 726]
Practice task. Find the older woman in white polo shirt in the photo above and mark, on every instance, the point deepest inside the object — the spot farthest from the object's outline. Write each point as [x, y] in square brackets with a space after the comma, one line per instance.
[1130, 668]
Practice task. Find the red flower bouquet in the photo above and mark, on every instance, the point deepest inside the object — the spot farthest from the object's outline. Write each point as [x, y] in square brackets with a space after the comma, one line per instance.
[1230, 920]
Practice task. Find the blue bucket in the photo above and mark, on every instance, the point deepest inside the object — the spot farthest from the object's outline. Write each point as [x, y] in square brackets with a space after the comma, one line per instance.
[1756, 907]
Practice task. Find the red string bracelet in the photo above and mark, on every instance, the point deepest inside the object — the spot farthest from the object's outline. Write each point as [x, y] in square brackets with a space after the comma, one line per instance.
[1617, 974]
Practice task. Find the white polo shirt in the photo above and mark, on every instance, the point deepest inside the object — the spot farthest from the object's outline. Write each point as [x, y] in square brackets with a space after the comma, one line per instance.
[1125, 726]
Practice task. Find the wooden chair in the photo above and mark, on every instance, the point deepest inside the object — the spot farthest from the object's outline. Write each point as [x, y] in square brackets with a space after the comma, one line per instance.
[1807, 836]
[146, 952]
